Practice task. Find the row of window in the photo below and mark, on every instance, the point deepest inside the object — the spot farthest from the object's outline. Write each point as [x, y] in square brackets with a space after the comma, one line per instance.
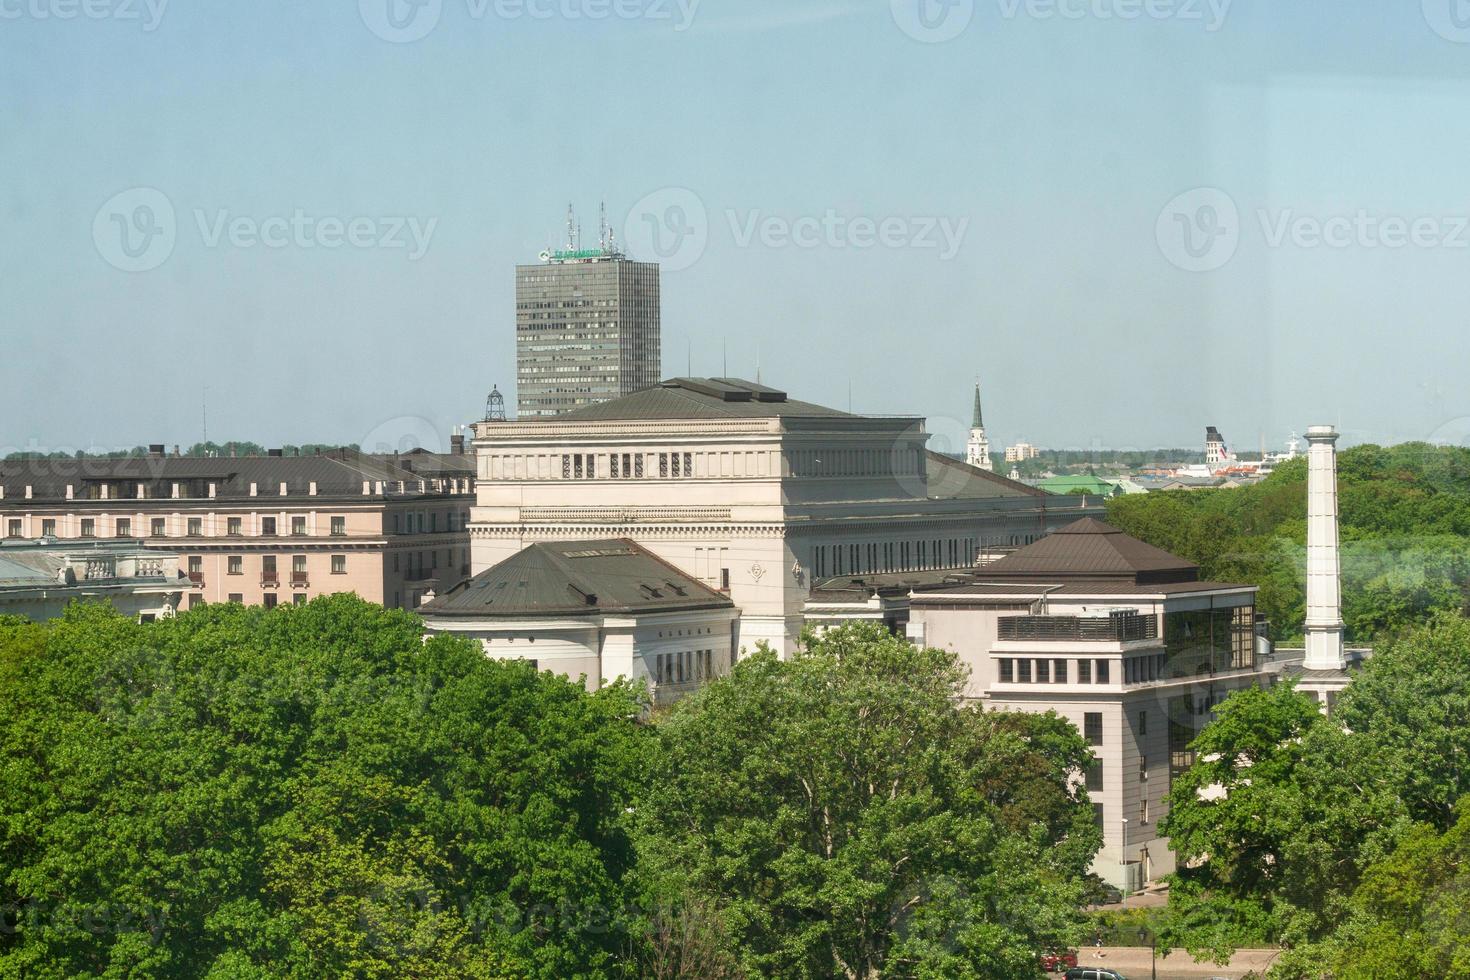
[686, 666]
[1036, 670]
[892, 556]
[122, 527]
[235, 565]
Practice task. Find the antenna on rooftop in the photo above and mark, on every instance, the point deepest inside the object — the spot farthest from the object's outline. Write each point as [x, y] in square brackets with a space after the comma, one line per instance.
[571, 229]
[602, 225]
[495, 405]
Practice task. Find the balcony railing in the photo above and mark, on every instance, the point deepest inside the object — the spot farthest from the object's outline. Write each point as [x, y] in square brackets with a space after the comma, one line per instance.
[269, 580]
[197, 578]
[298, 578]
[1116, 629]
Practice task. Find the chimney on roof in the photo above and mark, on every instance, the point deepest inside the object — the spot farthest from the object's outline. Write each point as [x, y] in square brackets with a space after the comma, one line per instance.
[276, 453]
[155, 449]
[456, 445]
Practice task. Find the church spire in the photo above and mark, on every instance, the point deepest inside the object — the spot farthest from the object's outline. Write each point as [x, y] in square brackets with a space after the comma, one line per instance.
[977, 451]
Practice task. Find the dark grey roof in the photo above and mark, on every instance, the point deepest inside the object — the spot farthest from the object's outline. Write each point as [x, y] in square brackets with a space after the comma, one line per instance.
[951, 478]
[577, 578]
[337, 472]
[703, 398]
[1090, 549]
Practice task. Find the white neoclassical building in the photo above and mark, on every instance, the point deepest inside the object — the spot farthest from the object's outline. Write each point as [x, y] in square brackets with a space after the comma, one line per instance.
[750, 492]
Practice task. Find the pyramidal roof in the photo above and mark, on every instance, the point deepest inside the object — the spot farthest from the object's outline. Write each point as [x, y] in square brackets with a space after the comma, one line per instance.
[1089, 549]
[577, 578]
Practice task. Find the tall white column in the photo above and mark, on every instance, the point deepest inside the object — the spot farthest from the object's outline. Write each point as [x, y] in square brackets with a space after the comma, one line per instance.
[1324, 591]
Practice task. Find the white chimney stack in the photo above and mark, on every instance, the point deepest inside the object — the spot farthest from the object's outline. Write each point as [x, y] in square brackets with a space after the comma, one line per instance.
[1324, 589]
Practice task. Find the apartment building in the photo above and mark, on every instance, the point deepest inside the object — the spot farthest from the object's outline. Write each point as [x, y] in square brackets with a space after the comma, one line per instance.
[262, 529]
[1118, 637]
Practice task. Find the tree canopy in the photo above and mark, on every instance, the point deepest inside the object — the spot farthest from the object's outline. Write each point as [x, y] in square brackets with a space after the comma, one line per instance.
[845, 817]
[308, 791]
[1292, 823]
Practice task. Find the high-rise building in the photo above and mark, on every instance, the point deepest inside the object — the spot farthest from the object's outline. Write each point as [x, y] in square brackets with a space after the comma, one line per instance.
[587, 327]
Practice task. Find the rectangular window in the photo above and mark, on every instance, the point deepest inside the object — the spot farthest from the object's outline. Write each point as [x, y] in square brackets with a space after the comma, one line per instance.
[48, 527]
[1143, 723]
[12, 528]
[1092, 727]
[614, 470]
[1143, 811]
[1007, 671]
[638, 466]
[298, 599]
[269, 600]
[235, 565]
[196, 565]
[232, 526]
[339, 527]
[1097, 815]
[298, 526]
[724, 580]
[676, 464]
[156, 527]
[1043, 671]
[268, 526]
[688, 464]
[1025, 670]
[124, 527]
[339, 564]
[663, 465]
[1059, 671]
[195, 527]
[566, 467]
[1102, 672]
[1093, 776]
[89, 527]
[298, 564]
[236, 597]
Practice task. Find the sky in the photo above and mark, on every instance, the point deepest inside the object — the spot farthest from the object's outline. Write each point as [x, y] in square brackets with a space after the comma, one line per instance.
[293, 222]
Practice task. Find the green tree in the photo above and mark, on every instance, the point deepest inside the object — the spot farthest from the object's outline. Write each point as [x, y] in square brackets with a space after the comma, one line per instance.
[308, 791]
[849, 819]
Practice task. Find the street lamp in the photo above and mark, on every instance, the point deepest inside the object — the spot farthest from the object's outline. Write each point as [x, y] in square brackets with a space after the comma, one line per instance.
[1123, 862]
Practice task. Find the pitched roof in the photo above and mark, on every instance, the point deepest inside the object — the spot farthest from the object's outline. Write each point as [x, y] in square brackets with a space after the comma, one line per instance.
[1090, 549]
[577, 578]
[950, 478]
[703, 398]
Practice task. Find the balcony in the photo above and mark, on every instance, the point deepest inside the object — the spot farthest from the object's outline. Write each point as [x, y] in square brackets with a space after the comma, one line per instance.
[298, 580]
[269, 580]
[1110, 629]
[197, 578]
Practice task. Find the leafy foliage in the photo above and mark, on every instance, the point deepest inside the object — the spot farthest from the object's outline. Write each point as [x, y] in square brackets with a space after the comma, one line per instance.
[309, 791]
[849, 819]
[1405, 520]
[1292, 823]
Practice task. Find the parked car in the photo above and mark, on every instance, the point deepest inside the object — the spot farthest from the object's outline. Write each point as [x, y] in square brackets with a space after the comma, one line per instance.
[1056, 962]
[1094, 973]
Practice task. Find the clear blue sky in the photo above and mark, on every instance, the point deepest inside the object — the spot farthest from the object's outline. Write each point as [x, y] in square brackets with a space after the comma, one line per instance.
[1055, 136]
